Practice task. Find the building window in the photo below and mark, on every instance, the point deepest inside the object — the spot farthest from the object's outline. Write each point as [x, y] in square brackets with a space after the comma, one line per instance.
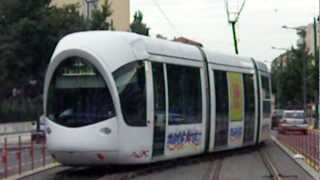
[89, 6]
[185, 97]
[131, 84]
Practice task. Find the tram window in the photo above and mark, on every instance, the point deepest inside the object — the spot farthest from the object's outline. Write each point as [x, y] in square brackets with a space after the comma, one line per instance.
[222, 108]
[265, 87]
[185, 97]
[131, 84]
[78, 95]
[249, 100]
[159, 93]
[266, 109]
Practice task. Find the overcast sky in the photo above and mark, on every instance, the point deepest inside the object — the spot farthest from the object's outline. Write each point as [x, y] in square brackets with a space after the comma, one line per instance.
[205, 21]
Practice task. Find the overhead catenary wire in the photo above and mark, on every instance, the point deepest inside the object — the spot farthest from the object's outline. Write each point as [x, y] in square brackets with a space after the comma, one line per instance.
[172, 26]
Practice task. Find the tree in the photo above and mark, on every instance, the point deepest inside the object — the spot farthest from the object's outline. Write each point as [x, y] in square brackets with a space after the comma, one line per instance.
[287, 79]
[99, 17]
[29, 32]
[138, 26]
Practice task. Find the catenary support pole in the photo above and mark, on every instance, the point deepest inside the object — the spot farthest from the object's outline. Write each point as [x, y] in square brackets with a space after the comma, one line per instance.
[235, 41]
[316, 55]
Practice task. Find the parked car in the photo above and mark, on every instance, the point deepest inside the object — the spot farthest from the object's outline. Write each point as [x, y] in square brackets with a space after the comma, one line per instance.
[276, 117]
[293, 121]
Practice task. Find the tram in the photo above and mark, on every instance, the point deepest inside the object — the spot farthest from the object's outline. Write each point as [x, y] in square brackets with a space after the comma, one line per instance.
[122, 98]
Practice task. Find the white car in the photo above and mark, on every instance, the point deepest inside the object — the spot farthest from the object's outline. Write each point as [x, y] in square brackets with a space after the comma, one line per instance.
[293, 120]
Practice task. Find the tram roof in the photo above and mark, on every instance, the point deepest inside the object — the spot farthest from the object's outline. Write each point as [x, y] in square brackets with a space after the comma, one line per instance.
[115, 49]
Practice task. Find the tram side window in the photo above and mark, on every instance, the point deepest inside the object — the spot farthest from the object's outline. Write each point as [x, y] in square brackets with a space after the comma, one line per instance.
[266, 96]
[185, 97]
[159, 94]
[265, 87]
[222, 108]
[131, 84]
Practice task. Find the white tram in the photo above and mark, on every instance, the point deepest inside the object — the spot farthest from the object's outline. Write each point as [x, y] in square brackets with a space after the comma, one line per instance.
[122, 98]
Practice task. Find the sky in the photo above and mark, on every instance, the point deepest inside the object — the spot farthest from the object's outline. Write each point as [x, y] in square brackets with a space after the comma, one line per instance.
[259, 26]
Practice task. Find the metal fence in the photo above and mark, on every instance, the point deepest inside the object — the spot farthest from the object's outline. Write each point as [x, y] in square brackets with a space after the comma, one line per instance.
[306, 145]
[20, 154]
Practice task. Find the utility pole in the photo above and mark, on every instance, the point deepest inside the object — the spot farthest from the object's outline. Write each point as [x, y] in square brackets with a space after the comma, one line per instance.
[279, 89]
[304, 82]
[316, 56]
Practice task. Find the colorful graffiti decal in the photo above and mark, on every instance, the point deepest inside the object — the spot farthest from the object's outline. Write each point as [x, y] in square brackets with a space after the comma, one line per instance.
[183, 139]
[236, 96]
[235, 135]
[140, 154]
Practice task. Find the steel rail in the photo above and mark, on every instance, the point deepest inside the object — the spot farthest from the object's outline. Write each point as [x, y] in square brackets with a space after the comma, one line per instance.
[275, 174]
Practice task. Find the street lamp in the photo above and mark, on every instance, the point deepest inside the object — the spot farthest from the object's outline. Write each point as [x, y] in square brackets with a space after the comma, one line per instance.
[277, 48]
[300, 28]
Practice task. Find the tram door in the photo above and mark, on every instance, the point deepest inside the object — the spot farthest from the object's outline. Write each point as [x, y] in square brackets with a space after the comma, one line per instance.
[266, 105]
[159, 132]
[249, 109]
[222, 110]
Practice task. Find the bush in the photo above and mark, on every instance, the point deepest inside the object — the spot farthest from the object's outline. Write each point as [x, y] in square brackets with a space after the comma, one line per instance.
[19, 109]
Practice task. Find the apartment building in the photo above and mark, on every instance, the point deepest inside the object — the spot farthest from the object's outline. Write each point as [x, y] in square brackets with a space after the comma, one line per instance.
[309, 39]
[120, 10]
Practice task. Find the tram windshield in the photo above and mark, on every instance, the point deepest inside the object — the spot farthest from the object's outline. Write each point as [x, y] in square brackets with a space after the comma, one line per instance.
[78, 95]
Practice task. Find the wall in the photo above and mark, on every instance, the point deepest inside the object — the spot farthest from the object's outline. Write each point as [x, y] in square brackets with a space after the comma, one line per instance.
[120, 8]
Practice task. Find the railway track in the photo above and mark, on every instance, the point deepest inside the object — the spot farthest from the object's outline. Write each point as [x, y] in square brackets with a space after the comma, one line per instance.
[214, 167]
[274, 171]
[214, 160]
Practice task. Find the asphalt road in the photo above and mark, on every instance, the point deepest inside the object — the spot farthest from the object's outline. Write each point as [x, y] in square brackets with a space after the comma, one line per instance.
[244, 164]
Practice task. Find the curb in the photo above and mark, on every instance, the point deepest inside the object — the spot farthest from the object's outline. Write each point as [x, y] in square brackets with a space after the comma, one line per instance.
[313, 173]
[32, 172]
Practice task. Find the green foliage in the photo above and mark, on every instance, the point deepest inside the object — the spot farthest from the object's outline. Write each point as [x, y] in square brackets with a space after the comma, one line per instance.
[287, 78]
[138, 26]
[98, 19]
[20, 109]
[29, 32]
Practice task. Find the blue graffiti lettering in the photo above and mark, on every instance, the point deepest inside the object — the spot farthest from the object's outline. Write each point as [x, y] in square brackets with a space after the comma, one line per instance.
[178, 140]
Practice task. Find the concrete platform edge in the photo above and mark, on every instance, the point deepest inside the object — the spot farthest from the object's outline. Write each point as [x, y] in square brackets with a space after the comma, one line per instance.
[313, 173]
[35, 171]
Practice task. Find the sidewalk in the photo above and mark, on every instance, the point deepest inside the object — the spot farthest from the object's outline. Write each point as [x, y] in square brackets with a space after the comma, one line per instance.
[307, 146]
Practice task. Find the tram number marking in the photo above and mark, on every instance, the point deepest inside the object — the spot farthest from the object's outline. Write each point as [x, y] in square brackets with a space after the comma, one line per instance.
[140, 154]
[183, 139]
